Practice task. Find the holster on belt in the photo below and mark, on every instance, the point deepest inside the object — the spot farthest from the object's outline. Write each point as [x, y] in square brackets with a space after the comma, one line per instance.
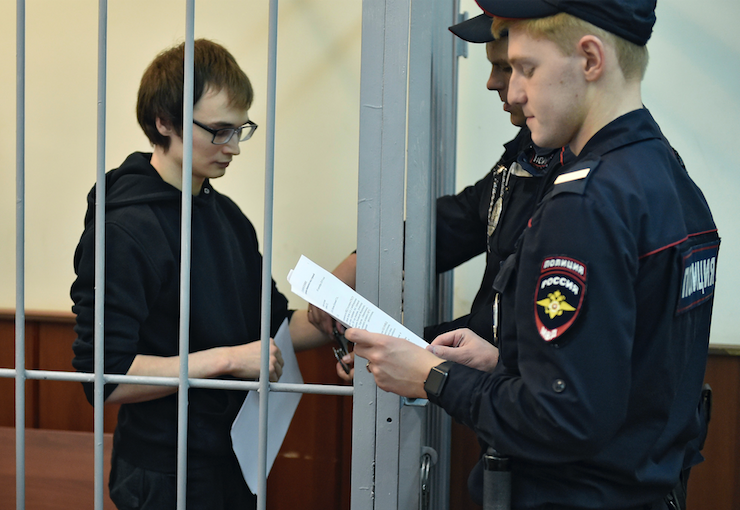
[496, 481]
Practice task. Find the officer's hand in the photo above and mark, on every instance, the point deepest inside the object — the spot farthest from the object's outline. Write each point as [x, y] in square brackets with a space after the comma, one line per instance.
[397, 365]
[245, 360]
[465, 347]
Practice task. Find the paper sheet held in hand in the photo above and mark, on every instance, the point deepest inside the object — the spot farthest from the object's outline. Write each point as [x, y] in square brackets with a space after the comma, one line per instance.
[324, 290]
[280, 410]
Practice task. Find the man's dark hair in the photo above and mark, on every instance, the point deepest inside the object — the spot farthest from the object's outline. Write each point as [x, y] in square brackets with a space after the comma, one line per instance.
[161, 88]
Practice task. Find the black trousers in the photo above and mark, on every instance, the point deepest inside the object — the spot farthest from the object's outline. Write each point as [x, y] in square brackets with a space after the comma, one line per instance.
[219, 487]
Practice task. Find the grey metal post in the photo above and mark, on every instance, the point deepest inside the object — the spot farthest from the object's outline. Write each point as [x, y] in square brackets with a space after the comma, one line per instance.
[368, 210]
[419, 261]
[419, 242]
[267, 256]
[390, 260]
[444, 118]
[99, 310]
[371, 121]
[385, 31]
[185, 247]
[444, 122]
[20, 299]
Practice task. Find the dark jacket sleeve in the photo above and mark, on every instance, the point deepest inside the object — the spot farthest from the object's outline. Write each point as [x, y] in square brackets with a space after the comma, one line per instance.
[462, 223]
[127, 300]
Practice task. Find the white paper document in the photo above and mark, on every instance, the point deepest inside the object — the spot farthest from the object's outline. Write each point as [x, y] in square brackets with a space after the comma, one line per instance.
[324, 290]
[281, 407]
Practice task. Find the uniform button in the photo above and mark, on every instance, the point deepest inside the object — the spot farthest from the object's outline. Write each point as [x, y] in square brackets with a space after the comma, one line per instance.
[558, 386]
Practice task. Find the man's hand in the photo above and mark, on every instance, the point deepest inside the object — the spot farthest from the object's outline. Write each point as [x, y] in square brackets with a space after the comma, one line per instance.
[397, 365]
[465, 347]
[323, 321]
[346, 272]
[240, 361]
[245, 361]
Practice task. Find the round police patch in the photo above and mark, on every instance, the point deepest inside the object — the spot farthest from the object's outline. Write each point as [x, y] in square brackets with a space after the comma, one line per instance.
[559, 295]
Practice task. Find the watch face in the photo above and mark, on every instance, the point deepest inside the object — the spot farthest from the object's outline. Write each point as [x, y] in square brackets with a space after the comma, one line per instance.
[436, 380]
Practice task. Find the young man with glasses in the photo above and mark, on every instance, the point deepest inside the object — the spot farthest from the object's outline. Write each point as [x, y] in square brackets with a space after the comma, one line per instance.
[142, 291]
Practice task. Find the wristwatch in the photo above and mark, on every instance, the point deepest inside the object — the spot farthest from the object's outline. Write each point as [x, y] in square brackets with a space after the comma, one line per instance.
[437, 378]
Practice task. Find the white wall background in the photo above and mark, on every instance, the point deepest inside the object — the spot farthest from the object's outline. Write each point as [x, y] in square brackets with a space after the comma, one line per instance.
[691, 88]
[316, 137]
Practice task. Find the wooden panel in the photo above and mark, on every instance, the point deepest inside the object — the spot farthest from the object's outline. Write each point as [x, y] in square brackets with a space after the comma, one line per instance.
[62, 404]
[464, 454]
[7, 386]
[59, 470]
[314, 458]
[714, 482]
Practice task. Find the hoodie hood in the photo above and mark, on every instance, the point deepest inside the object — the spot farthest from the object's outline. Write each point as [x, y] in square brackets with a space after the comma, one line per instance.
[134, 182]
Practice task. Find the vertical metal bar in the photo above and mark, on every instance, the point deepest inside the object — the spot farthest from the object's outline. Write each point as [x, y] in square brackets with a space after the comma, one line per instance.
[444, 112]
[444, 131]
[185, 249]
[419, 240]
[392, 183]
[99, 310]
[264, 381]
[20, 298]
[385, 28]
[368, 246]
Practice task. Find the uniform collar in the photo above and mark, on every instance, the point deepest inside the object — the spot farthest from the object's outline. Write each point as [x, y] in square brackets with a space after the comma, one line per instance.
[631, 127]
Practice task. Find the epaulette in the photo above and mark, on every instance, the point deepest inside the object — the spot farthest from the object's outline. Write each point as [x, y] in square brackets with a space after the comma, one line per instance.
[575, 180]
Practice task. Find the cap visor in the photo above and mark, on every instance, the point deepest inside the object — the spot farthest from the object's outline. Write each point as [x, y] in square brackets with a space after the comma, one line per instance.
[474, 30]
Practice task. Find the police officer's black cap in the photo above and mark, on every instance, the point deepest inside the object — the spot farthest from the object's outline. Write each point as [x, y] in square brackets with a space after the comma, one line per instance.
[632, 20]
[474, 30]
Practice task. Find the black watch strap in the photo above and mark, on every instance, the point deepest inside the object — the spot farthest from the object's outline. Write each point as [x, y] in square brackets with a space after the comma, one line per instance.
[437, 379]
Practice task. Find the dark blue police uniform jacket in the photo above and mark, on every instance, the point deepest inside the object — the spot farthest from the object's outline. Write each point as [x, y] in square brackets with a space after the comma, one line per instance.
[469, 224]
[605, 314]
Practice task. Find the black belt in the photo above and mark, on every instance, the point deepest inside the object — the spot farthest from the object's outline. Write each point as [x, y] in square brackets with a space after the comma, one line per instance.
[664, 503]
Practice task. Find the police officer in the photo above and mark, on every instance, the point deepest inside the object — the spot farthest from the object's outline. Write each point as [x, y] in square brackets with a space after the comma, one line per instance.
[606, 304]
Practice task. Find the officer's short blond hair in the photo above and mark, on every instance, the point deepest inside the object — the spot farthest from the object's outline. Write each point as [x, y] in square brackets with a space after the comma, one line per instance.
[566, 30]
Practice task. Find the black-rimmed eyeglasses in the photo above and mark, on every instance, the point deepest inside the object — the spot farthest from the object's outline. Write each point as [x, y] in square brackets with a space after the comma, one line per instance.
[223, 135]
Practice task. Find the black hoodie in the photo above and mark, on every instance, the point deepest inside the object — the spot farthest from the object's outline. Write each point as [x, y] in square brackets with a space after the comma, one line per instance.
[142, 297]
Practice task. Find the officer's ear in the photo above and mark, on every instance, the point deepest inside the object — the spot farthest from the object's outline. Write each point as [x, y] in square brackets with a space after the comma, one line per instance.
[592, 51]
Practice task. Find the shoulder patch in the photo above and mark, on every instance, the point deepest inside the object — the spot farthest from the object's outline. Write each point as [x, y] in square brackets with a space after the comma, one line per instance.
[698, 276]
[572, 176]
[575, 178]
[559, 295]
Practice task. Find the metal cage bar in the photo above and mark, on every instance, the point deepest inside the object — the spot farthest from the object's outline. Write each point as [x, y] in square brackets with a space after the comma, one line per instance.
[368, 210]
[443, 135]
[186, 241]
[20, 316]
[264, 380]
[227, 384]
[99, 367]
[388, 427]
